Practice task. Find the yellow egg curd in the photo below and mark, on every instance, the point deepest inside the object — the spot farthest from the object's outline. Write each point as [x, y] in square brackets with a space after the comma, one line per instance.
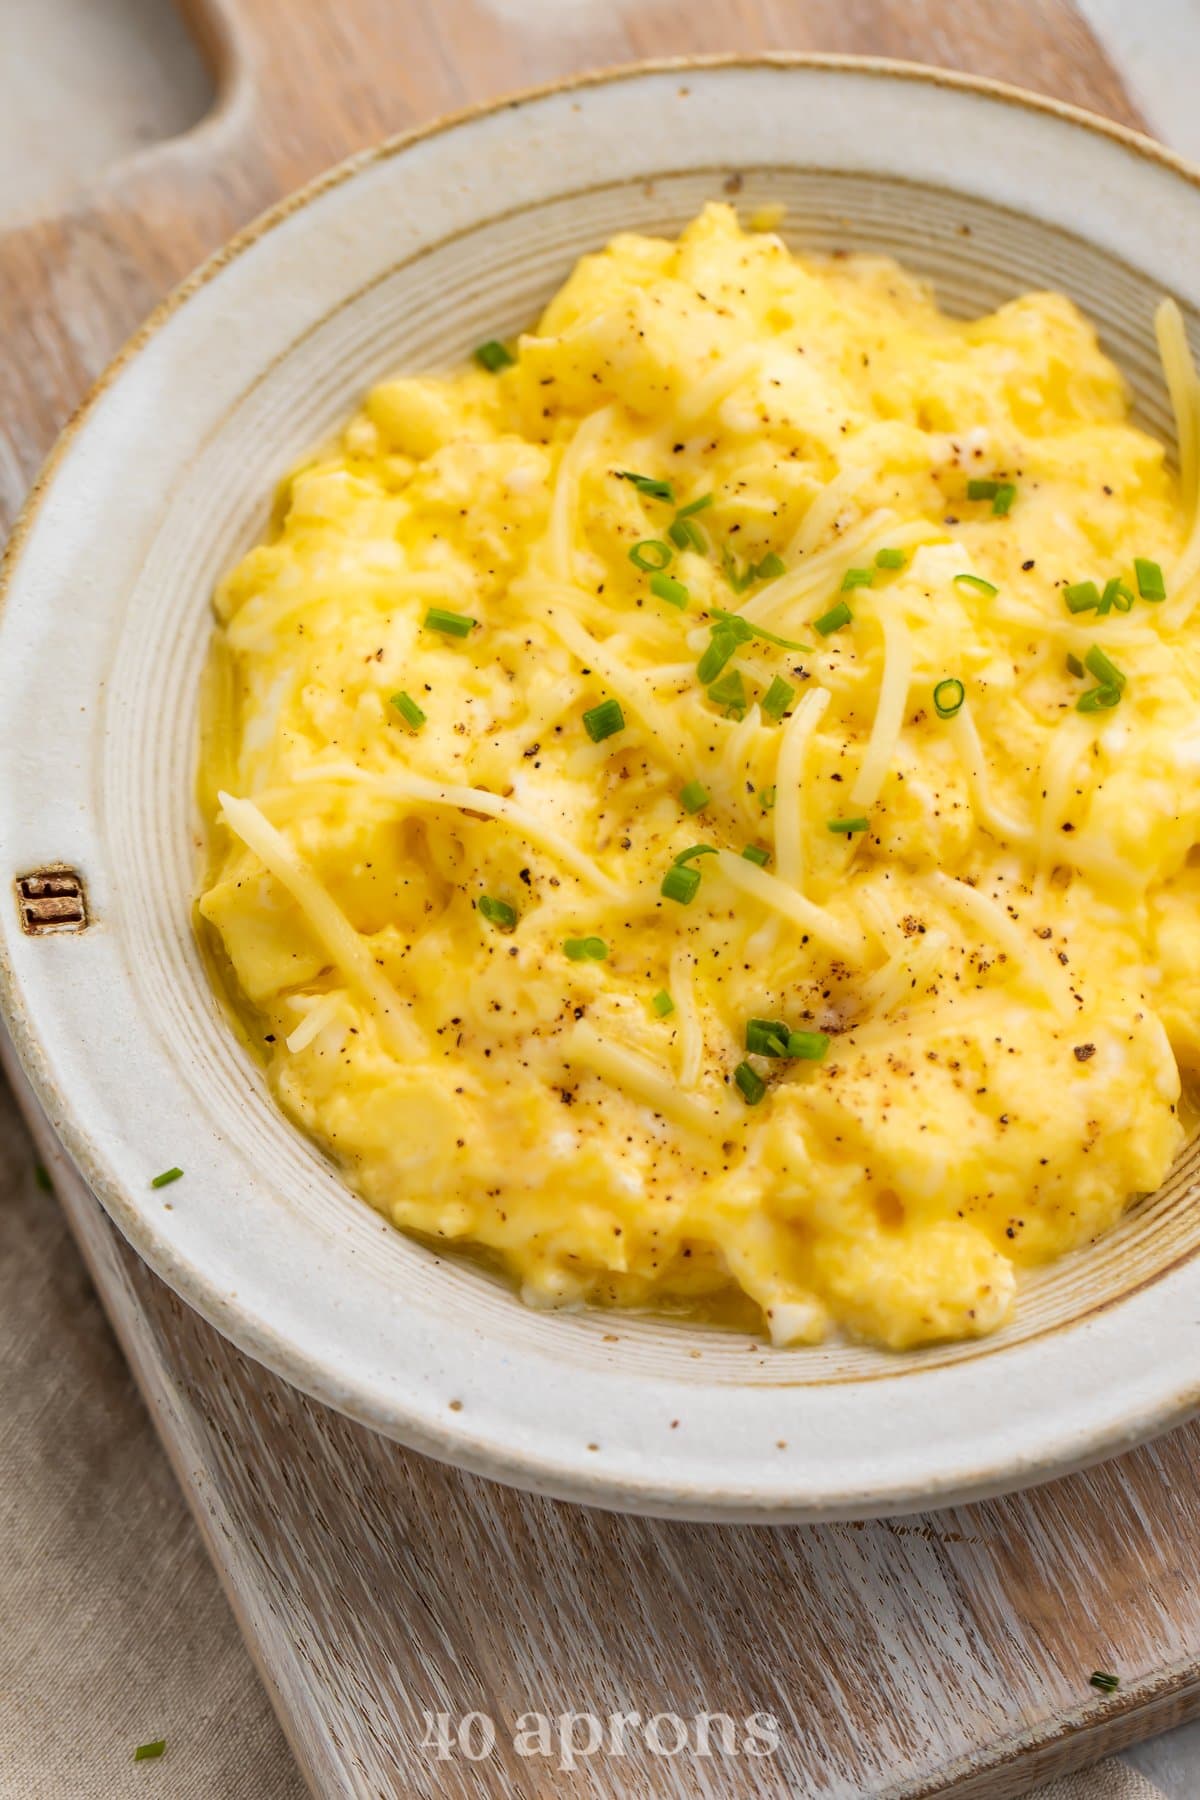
[702, 800]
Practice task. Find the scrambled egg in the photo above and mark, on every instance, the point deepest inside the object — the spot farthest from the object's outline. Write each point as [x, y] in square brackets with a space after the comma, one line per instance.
[702, 801]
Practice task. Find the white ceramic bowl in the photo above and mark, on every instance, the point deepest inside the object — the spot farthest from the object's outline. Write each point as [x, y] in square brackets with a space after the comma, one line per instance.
[404, 259]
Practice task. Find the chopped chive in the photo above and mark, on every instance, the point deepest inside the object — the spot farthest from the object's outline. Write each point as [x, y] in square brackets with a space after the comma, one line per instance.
[681, 882]
[1005, 494]
[145, 1752]
[856, 578]
[1074, 666]
[738, 580]
[752, 854]
[694, 797]
[663, 1003]
[650, 553]
[744, 631]
[690, 855]
[587, 949]
[1082, 596]
[41, 1175]
[451, 623]
[848, 826]
[948, 697]
[166, 1178]
[1100, 1678]
[1098, 699]
[770, 567]
[766, 1037]
[890, 559]
[778, 698]
[685, 534]
[667, 588]
[766, 798]
[724, 644]
[648, 485]
[1116, 597]
[750, 1083]
[408, 709]
[497, 912]
[980, 489]
[1150, 582]
[1106, 672]
[977, 581]
[494, 356]
[833, 620]
[807, 1046]
[603, 721]
[694, 506]
[729, 693]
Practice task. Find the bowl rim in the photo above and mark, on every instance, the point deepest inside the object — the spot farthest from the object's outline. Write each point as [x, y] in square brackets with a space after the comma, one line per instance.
[533, 1467]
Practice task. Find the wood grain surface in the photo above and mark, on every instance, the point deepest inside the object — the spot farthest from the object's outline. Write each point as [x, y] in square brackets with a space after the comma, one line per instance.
[938, 1655]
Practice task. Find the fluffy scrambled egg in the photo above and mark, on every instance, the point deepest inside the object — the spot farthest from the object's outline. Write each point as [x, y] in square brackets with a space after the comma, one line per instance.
[702, 801]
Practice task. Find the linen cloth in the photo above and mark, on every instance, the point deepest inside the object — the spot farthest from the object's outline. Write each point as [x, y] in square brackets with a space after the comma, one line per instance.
[113, 1628]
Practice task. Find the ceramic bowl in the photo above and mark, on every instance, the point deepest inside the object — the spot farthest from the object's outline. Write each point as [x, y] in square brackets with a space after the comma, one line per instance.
[403, 260]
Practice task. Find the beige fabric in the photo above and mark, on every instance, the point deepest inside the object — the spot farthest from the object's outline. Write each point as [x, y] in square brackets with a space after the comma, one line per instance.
[1106, 1781]
[113, 1629]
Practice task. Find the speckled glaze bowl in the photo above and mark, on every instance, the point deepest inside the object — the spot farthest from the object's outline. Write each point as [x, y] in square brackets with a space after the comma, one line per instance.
[402, 260]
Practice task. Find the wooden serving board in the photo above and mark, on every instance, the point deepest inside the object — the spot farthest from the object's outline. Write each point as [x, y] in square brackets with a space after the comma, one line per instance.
[946, 1654]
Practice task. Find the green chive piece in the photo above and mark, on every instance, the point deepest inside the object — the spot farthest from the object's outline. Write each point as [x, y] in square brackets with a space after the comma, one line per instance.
[807, 1046]
[681, 882]
[494, 356]
[833, 620]
[650, 553]
[766, 1037]
[744, 631]
[1116, 597]
[980, 489]
[451, 623]
[1100, 1678]
[497, 912]
[695, 506]
[750, 1083]
[603, 721]
[145, 1752]
[729, 693]
[724, 644]
[648, 485]
[685, 534]
[766, 798]
[890, 559]
[948, 697]
[667, 588]
[977, 581]
[771, 567]
[856, 578]
[663, 1003]
[687, 856]
[752, 854]
[778, 698]
[587, 949]
[167, 1177]
[847, 827]
[694, 797]
[1082, 596]
[1150, 582]
[1106, 672]
[1002, 501]
[41, 1175]
[1098, 699]
[1074, 666]
[408, 709]
[738, 579]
